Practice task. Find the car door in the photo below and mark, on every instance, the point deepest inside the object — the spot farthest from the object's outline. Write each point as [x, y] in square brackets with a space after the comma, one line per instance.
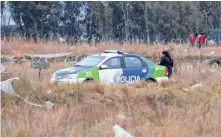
[134, 69]
[112, 71]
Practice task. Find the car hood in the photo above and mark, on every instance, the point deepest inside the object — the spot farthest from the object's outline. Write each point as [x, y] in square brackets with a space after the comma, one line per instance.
[70, 70]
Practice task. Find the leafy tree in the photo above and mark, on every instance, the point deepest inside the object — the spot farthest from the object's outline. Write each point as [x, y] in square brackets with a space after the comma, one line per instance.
[119, 21]
[34, 18]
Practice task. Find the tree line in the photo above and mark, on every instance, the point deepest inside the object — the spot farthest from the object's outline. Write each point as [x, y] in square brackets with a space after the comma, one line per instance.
[126, 21]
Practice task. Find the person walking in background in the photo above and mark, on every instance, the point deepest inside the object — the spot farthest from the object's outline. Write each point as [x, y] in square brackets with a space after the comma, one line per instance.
[201, 39]
[167, 61]
[192, 39]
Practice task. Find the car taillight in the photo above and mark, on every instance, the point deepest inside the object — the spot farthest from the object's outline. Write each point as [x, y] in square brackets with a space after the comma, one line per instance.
[166, 72]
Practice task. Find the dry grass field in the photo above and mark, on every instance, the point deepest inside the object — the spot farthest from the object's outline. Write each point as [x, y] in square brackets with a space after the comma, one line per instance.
[17, 47]
[90, 110]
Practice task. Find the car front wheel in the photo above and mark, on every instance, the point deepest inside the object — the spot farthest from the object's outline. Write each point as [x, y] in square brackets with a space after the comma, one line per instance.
[88, 81]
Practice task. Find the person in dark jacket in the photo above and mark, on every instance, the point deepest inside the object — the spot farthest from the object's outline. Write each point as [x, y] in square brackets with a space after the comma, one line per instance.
[167, 61]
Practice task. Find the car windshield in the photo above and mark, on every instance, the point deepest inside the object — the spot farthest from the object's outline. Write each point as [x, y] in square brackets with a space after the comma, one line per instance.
[90, 61]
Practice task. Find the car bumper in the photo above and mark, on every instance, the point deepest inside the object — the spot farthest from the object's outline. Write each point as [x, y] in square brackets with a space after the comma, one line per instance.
[161, 79]
[66, 81]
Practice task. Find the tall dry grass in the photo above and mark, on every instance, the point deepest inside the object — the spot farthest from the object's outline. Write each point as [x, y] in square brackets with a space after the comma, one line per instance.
[17, 47]
[92, 109]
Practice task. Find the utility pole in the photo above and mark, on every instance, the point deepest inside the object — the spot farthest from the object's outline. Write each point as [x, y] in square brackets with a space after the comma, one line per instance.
[125, 12]
[146, 22]
[219, 33]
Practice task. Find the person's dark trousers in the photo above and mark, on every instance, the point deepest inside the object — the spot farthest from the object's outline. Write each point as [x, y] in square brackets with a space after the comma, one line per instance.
[199, 46]
[169, 72]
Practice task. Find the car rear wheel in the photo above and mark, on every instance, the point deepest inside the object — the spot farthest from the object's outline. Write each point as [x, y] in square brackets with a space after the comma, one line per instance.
[151, 80]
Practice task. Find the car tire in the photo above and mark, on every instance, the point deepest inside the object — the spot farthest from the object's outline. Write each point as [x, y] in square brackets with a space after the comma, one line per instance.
[88, 81]
[151, 80]
[215, 62]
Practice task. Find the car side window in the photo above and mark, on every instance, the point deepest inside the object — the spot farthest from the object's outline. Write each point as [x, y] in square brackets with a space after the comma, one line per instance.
[113, 63]
[132, 62]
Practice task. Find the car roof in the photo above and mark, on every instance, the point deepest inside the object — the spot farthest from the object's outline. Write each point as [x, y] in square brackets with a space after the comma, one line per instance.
[113, 53]
[108, 54]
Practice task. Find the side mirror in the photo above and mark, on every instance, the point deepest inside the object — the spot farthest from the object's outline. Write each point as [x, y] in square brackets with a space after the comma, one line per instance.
[103, 67]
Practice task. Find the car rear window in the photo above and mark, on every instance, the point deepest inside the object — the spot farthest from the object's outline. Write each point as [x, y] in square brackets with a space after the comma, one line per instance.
[132, 62]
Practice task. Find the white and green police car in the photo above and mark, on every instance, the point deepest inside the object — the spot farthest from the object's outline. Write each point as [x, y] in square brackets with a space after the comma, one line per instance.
[111, 67]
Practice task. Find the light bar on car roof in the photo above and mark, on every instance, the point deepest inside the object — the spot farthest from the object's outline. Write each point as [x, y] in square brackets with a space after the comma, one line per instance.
[114, 51]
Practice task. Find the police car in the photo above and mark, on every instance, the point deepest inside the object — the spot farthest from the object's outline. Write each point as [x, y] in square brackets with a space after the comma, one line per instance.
[111, 67]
